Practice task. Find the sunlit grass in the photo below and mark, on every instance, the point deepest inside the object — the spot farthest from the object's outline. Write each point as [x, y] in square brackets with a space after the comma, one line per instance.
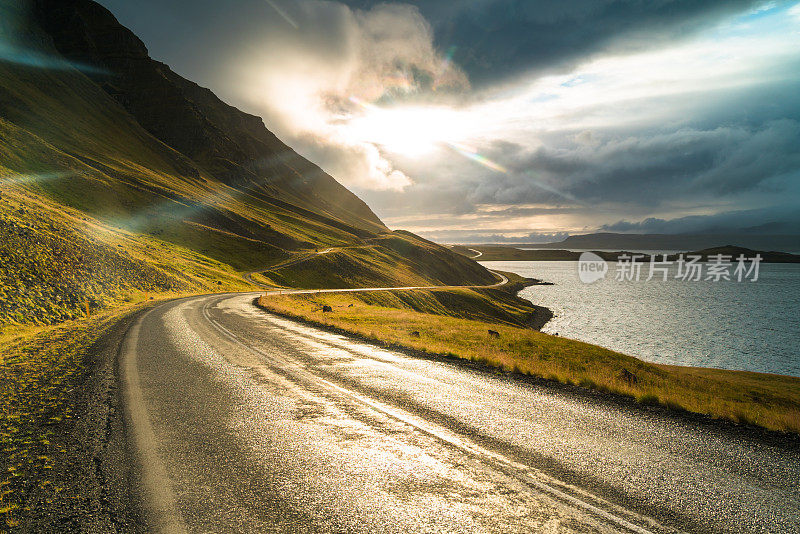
[39, 373]
[64, 279]
[389, 261]
[768, 401]
[59, 265]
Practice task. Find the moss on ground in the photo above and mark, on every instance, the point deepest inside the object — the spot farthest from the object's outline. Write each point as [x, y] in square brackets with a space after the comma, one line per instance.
[58, 265]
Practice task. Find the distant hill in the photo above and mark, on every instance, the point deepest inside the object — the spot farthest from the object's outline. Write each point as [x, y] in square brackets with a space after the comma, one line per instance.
[496, 253]
[735, 252]
[614, 241]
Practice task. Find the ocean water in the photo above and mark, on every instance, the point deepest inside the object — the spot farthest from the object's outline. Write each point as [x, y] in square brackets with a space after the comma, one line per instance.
[752, 326]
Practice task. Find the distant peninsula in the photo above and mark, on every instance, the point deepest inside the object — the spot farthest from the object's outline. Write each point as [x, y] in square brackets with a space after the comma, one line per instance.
[506, 253]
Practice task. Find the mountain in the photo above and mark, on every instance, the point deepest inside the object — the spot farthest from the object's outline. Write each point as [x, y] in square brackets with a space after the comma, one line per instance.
[507, 253]
[615, 241]
[735, 252]
[233, 146]
[121, 152]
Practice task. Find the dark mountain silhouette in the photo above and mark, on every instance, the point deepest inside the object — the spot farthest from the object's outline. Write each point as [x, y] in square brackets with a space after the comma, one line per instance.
[233, 146]
[615, 241]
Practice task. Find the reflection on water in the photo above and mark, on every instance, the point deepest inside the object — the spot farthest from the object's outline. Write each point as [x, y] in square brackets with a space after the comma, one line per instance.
[751, 326]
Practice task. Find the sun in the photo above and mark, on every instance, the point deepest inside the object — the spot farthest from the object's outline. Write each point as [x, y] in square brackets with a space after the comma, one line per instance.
[408, 131]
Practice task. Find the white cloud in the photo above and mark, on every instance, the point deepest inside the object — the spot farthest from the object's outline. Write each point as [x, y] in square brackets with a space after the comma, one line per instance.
[629, 91]
[303, 78]
[795, 11]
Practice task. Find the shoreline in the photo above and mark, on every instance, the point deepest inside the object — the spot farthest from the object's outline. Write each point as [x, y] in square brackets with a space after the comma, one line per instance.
[537, 326]
[542, 314]
[653, 345]
[742, 428]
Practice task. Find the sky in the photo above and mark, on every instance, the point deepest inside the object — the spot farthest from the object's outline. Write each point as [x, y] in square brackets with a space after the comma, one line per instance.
[516, 120]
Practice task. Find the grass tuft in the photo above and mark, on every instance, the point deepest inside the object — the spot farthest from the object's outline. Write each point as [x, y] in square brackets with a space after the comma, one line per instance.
[39, 375]
[648, 399]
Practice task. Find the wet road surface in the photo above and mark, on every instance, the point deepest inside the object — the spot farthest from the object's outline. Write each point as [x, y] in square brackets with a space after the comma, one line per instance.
[248, 422]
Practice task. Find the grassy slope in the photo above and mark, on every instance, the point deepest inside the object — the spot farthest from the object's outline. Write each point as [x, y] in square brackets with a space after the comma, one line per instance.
[400, 259]
[495, 305]
[769, 401]
[42, 374]
[58, 264]
[489, 305]
[66, 139]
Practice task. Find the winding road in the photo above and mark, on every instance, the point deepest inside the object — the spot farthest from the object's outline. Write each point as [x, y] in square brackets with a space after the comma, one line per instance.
[502, 280]
[243, 421]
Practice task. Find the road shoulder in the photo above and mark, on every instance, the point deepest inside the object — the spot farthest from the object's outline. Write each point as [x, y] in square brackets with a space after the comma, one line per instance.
[88, 484]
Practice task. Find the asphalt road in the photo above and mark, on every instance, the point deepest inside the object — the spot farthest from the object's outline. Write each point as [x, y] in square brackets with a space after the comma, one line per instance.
[246, 422]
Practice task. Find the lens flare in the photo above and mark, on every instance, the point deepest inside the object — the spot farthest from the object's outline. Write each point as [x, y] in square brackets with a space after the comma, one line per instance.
[551, 189]
[363, 103]
[35, 59]
[471, 153]
[444, 68]
[18, 179]
[280, 11]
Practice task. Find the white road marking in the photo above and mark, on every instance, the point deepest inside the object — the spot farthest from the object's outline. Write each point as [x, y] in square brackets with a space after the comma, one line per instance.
[158, 496]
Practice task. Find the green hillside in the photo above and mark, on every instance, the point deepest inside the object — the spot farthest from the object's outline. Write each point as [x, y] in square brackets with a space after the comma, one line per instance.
[234, 147]
[59, 265]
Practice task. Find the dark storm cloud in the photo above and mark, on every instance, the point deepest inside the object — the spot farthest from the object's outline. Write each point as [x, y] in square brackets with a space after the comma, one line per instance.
[722, 133]
[650, 168]
[498, 39]
[634, 172]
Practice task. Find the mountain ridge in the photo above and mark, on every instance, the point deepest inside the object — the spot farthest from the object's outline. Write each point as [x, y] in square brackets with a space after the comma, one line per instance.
[620, 241]
[231, 145]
